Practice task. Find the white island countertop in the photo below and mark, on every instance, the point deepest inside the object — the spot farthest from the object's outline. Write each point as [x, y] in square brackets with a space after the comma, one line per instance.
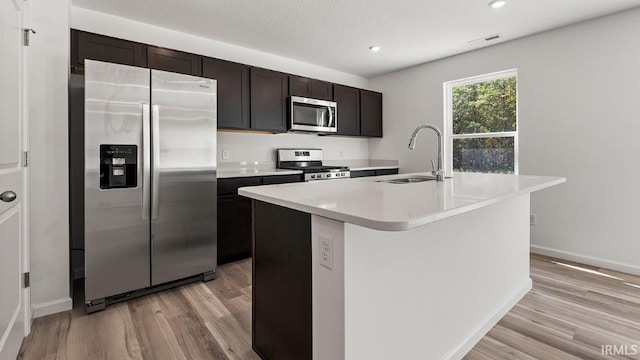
[374, 204]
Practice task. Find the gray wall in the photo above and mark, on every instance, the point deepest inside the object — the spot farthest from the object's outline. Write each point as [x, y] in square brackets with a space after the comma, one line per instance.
[579, 117]
[48, 62]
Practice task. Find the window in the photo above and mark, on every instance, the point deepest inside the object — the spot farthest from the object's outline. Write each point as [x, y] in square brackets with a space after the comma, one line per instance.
[481, 131]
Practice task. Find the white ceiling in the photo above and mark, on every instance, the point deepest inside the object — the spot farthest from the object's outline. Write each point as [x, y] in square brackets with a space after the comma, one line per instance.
[337, 33]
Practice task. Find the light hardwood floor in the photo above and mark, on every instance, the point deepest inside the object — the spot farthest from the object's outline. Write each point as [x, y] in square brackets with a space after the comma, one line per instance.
[572, 311]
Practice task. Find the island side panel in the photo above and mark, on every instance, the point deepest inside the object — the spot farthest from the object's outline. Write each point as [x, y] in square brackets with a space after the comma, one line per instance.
[432, 292]
[328, 288]
[281, 283]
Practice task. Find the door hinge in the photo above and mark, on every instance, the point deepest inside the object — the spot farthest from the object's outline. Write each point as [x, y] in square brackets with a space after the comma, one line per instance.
[25, 279]
[27, 35]
[25, 158]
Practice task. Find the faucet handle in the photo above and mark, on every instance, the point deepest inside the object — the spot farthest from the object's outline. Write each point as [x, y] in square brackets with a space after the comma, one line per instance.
[439, 174]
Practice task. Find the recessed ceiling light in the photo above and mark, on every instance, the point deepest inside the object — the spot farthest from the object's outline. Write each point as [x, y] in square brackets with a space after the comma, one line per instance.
[374, 48]
[496, 4]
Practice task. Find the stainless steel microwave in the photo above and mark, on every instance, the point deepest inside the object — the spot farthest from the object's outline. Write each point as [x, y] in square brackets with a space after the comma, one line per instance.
[313, 115]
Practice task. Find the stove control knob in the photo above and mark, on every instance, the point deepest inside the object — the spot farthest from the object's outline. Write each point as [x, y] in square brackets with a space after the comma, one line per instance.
[328, 175]
[313, 176]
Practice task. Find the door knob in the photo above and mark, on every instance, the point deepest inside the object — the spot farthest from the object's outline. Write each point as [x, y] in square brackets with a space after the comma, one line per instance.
[8, 196]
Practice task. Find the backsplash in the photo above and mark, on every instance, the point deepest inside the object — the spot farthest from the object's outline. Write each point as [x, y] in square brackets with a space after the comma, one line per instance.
[259, 147]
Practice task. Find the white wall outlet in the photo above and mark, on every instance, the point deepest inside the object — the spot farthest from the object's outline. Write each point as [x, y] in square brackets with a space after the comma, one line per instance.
[341, 154]
[226, 154]
[533, 220]
[326, 252]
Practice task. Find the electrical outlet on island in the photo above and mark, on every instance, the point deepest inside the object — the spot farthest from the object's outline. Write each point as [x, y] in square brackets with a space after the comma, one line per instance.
[326, 252]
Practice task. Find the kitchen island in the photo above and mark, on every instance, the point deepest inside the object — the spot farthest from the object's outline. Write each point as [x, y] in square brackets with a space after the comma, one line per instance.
[366, 269]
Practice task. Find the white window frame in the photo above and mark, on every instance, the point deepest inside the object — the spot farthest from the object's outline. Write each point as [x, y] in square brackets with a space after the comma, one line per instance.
[449, 136]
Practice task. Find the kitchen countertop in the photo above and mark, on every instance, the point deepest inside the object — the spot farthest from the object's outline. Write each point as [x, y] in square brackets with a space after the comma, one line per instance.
[365, 164]
[394, 207]
[251, 168]
[267, 168]
[225, 174]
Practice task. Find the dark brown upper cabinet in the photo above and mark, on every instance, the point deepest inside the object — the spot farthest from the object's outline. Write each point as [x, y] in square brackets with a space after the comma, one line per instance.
[299, 86]
[248, 98]
[233, 92]
[269, 91]
[370, 113]
[348, 100]
[104, 48]
[174, 61]
[311, 88]
[321, 90]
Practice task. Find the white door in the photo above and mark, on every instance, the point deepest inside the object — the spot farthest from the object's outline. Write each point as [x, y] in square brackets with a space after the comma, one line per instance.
[13, 325]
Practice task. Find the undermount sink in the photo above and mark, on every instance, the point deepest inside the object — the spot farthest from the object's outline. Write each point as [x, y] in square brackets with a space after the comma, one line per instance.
[409, 180]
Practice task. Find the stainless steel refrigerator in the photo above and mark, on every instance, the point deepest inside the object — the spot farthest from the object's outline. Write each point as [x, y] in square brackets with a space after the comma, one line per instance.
[150, 181]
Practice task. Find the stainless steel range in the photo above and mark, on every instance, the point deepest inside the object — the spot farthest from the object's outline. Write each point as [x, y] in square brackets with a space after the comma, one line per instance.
[310, 162]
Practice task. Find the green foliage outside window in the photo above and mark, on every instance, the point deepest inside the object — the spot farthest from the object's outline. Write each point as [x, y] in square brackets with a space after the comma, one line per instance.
[485, 107]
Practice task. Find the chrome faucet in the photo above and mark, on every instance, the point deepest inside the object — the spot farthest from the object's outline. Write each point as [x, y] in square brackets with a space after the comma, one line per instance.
[439, 173]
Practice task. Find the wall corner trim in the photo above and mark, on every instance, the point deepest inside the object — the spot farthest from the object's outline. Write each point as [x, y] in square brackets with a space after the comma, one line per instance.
[51, 307]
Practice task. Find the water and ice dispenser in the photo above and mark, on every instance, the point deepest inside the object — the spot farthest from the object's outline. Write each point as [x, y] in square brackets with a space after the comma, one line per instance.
[118, 166]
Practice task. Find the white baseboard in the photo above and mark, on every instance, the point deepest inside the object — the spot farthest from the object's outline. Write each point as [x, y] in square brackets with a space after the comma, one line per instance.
[51, 307]
[587, 260]
[467, 344]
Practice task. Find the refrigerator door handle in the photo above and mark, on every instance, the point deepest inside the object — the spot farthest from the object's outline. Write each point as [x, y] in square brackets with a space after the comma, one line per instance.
[155, 187]
[146, 160]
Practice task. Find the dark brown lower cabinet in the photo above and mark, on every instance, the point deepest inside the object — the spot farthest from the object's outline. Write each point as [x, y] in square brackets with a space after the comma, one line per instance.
[234, 214]
[379, 172]
[282, 319]
[234, 228]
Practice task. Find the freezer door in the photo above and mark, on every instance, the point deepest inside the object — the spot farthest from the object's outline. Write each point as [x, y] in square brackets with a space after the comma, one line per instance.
[117, 221]
[183, 202]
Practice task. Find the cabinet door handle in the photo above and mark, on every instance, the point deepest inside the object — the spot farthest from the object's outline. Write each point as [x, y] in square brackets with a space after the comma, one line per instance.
[8, 196]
